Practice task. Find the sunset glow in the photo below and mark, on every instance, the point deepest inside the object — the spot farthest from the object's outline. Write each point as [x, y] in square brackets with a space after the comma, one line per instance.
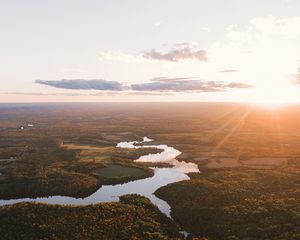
[275, 96]
[245, 56]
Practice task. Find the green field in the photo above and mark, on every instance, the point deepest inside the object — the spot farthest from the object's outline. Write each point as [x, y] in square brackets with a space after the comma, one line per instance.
[115, 174]
[118, 171]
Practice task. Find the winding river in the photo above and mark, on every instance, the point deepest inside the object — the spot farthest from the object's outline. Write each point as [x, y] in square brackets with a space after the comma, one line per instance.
[145, 187]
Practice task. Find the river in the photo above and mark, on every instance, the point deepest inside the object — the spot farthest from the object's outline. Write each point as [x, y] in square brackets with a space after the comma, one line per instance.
[145, 187]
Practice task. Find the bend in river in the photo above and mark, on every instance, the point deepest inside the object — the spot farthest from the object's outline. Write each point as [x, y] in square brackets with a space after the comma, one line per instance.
[145, 187]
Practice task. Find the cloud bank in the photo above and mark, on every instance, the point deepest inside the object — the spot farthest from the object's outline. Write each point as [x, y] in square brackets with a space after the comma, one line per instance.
[182, 51]
[158, 85]
[95, 84]
[186, 85]
[110, 93]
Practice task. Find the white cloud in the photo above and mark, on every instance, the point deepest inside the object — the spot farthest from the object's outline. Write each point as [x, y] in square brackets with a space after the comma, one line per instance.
[177, 54]
[157, 24]
[205, 29]
[266, 54]
[181, 51]
[267, 27]
[265, 51]
[127, 57]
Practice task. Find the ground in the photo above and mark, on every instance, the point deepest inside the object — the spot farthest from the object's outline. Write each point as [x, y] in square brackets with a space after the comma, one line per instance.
[248, 157]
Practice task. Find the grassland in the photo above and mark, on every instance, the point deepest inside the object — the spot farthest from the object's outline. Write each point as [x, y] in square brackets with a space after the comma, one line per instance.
[114, 173]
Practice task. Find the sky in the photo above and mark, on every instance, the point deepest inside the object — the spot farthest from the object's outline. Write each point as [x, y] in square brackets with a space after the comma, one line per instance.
[159, 50]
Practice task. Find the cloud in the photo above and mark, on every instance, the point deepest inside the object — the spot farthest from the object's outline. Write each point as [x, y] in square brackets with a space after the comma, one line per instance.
[205, 29]
[182, 51]
[61, 94]
[83, 84]
[185, 85]
[127, 57]
[237, 85]
[260, 28]
[228, 71]
[157, 24]
[265, 51]
[156, 86]
[149, 93]
[297, 77]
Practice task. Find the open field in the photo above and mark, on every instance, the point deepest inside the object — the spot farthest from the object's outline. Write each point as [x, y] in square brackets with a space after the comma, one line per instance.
[248, 156]
[113, 171]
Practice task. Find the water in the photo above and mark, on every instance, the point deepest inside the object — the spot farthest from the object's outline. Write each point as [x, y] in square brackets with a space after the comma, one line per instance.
[145, 187]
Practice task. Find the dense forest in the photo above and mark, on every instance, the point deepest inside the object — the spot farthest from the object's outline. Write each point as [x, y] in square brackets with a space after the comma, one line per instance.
[134, 217]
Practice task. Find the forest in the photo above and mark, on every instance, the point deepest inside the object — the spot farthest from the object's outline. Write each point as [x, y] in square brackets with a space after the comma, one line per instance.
[247, 188]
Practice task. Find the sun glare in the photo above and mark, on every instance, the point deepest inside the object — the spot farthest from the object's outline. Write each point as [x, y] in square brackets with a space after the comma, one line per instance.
[272, 104]
[277, 96]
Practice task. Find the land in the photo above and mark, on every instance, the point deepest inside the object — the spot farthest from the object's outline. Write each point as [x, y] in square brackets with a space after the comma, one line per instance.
[238, 204]
[134, 217]
[36, 164]
[248, 187]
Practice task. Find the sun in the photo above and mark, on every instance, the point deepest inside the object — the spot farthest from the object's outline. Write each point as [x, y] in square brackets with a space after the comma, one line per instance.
[275, 96]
